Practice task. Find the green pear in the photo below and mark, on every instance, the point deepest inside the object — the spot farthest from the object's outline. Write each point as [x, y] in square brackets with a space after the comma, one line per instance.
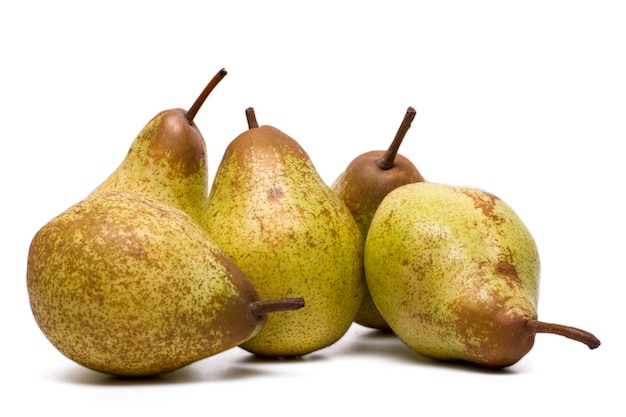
[367, 179]
[126, 285]
[455, 272]
[168, 160]
[270, 210]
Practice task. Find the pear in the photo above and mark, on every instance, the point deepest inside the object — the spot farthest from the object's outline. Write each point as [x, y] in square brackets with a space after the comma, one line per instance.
[455, 273]
[168, 160]
[270, 210]
[127, 285]
[368, 178]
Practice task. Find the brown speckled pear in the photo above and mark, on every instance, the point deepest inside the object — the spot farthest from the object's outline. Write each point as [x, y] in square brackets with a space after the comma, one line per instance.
[273, 214]
[363, 185]
[455, 273]
[168, 161]
[127, 285]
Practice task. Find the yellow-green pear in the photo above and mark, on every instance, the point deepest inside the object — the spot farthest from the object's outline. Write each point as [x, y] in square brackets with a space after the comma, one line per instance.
[124, 284]
[367, 179]
[270, 210]
[168, 160]
[455, 273]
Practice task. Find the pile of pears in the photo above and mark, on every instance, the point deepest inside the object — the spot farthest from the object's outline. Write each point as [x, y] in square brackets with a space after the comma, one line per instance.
[157, 268]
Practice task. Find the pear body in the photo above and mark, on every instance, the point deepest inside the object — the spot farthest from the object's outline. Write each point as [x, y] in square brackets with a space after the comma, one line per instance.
[127, 285]
[273, 214]
[362, 186]
[167, 161]
[455, 273]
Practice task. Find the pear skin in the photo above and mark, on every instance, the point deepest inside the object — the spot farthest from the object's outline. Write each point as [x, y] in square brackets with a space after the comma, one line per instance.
[455, 273]
[168, 160]
[127, 285]
[273, 214]
[367, 179]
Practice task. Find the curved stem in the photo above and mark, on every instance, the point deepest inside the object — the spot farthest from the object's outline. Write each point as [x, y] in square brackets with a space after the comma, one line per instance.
[251, 116]
[205, 93]
[569, 332]
[386, 161]
[261, 308]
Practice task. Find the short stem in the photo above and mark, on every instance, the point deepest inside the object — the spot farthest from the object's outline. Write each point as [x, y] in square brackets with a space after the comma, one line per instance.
[261, 308]
[205, 93]
[387, 160]
[251, 116]
[569, 332]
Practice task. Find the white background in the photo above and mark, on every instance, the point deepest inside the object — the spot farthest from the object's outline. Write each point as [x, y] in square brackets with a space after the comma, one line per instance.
[524, 99]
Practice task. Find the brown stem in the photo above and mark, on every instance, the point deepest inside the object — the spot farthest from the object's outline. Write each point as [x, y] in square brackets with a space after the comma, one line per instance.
[205, 93]
[261, 308]
[569, 332]
[251, 116]
[387, 160]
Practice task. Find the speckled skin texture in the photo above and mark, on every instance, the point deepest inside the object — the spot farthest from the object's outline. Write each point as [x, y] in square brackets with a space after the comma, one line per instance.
[126, 285]
[273, 214]
[455, 273]
[362, 186]
[168, 162]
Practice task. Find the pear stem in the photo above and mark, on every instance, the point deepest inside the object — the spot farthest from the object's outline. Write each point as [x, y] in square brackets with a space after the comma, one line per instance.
[569, 332]
[251, 116]
[261, 308]
[205, 93]
[387, 160]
